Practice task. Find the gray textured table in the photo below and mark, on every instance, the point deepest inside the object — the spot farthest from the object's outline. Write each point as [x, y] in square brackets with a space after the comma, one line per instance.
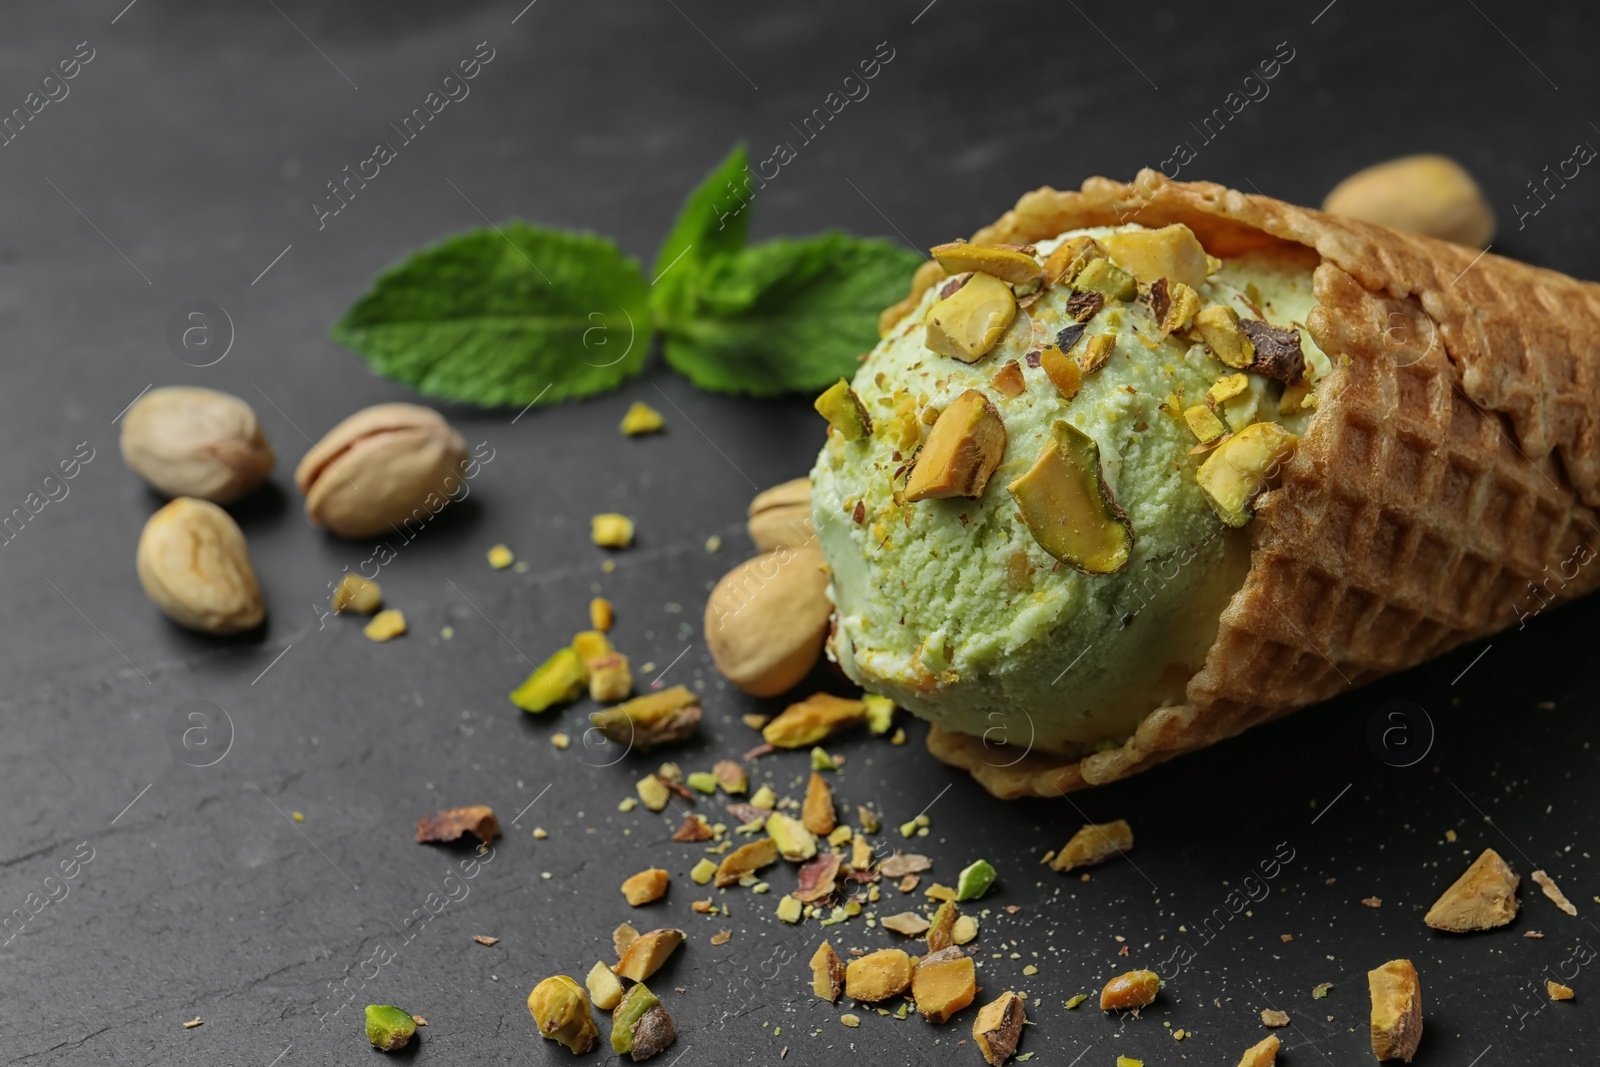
[182, 162]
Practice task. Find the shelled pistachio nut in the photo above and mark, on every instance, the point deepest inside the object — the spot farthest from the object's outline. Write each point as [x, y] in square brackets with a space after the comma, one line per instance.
[186, 441]
[382, 468]
[194, 564]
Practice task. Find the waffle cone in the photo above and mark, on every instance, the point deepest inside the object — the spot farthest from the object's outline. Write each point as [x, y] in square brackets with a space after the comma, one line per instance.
[1445, 488]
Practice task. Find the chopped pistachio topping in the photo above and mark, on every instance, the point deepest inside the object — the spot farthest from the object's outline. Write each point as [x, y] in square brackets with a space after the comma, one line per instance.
[1067, 506]
[970, 321]
[962, 451]
[842, 408]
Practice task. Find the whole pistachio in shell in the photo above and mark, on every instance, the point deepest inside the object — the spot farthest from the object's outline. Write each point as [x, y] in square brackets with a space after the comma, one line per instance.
[195, 566]
[188, 441]
[380, 468]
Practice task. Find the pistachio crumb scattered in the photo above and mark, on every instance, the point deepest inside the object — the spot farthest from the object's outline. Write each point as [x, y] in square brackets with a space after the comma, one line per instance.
[611, 530]
[850, 1020]
[500, 557]
[385, 625]
[560, 740]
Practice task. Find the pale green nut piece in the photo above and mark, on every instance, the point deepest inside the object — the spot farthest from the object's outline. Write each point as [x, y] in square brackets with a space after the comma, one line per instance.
[975, 880]
[389, 1028]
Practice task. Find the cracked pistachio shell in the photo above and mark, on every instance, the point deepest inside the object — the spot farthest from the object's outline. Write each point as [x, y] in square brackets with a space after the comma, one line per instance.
[382, 468]
[186, 441]
[195, 566]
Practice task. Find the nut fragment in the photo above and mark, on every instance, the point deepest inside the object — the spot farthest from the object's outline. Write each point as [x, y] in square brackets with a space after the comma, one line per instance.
[1274, 1018]
[970, 321]
[641, 418]
[560, 1008]
[827, 973]
[623, 936]
[1549, 888]
[1132, 990]
[1262, 1054]
[1173, 304]
[1425, 194]
[640, 1026]
[610, 678]
[941, 931]
[746, 860]
[601, 614]
[780, 517]
[840, 405]
[998, 1028]
[1092, 844]
[943, 983]
[477, 820]
[1242, 466]
[974, 880]
[1096, 350]
[818, 716]
[964, 930]
[817, 812]
[604, 988]
[187, 441]
[646, 887]
[766, 620]
[1104, 277]
[1558, 991]
[647, 953]
[1068, 507]
[1007, 381]
[961, 452]
[357, 594]
[1484, 897]
[386, 625]
[1170, 252]
[1396, 1010]
[558, 680]
[795, 843]
[1009, 264]
[1219, 326]
[730, 776]
[610, 530]
[1203, 423]
[195, 566]
[819, 878]
[1070, 257]
[878, 975]
[385, 466]
[906, 924]
[389, 1028]
[654, 719]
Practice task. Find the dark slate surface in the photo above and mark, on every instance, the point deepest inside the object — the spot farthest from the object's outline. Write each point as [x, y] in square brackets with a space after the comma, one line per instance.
[184, 159]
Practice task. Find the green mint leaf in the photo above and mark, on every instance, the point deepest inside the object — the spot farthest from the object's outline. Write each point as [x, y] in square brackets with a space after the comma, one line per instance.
[712, 223]
[786, 315]
[505, 317]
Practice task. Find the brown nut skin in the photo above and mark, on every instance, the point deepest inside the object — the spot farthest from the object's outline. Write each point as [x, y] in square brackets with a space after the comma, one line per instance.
[382, 468]
[195, 566]
[187, 441]
[766, 620]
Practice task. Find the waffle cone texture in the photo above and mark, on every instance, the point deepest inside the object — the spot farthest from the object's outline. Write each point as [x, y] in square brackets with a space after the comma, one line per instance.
[1445, 488]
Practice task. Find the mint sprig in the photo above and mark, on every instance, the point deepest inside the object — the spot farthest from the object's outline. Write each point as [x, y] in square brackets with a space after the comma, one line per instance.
[519, 314]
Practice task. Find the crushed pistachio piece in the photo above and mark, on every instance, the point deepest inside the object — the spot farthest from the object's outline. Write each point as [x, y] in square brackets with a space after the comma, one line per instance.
[1068, 507]
[803, 724]
[789, 909]
[654, 719]
[765, 799]
[1320, 990]
[1169, 252]
[500, 557]
[702, 872]
[1135, 989]
[1096, 350]
[1094, 843]
[998, 1028]
[1553, 892]
[816, 813]
[822, 761]
[730, 775]
[1070, 257]
[1174, 306]
[878, 975]
[1220, 328]
[389, 1028]
[970, 321]
[641, 418]
[604, 988]
[1558, 991]
[601, 614]
[640, 1026]
[1007, 381]
[645, 955]
[745, 860]
[850, 1020]
[356, 594]
[646, 887]
[629, 803]
[1396, 1019]
[827, 973]
[1240, 468]
[611, 530]
[1274, 1018]
[386, 625]
[1484, 897]
[795, 842]
[1227, 387]
[1262, 1054]
[1074, 1000]
[1203, 423]
[703, 782]
[558, 680]
[610, 679]
[964, 930]
[653, 792]
[844, 411]
[1104, 277]
[942, 983]
[974, 880]
[1062, 371]
[1008, 263]
[961, 452]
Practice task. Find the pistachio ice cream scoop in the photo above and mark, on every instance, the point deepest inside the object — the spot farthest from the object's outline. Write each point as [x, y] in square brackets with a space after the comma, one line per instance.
[1034, 492]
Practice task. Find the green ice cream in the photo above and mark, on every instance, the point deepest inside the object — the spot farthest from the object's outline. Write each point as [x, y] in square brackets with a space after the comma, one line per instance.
[952, 607]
